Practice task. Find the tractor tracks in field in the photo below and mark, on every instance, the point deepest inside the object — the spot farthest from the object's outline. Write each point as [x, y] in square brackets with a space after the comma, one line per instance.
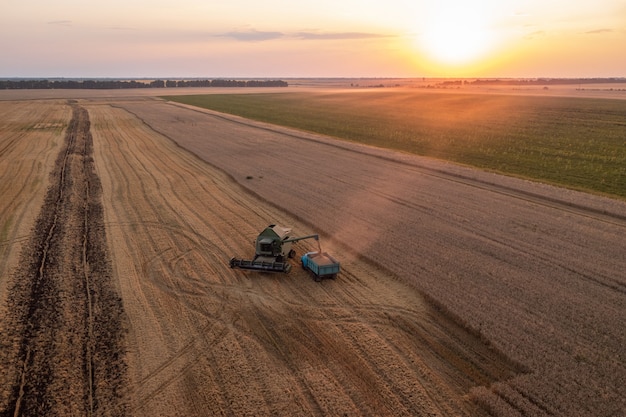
[64, 347]
[232, 344]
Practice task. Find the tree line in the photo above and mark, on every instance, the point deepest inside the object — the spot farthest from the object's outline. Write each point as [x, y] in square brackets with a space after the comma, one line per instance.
[119, 84]
[548, 81]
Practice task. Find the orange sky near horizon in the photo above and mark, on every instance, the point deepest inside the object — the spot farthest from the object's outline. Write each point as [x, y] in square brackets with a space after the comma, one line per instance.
[276, 38]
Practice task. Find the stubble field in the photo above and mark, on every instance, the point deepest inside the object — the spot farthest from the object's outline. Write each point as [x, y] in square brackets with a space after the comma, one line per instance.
[462, 293]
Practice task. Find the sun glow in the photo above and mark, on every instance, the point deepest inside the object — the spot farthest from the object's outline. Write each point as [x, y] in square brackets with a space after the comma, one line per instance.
[456, 33]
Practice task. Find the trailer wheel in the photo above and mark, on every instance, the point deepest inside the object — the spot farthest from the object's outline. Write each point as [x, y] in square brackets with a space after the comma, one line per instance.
[292, 253]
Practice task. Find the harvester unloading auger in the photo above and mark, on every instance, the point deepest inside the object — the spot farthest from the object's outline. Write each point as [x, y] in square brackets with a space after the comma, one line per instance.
[273, 249]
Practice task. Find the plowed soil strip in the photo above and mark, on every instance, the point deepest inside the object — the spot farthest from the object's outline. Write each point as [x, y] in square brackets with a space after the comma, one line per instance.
[64, 337]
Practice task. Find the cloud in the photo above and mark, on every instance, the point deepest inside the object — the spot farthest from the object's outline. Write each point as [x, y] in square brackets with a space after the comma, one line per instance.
[259, 36]
[535, 34]
[123, 28]
[337, 35]
[60, 22]
[598, 31]
[253, 35]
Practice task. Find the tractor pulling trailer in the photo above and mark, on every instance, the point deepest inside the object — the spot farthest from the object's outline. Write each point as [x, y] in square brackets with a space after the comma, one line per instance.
[274, 249]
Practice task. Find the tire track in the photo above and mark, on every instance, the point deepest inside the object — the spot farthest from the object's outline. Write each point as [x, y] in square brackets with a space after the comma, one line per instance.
[65, 319]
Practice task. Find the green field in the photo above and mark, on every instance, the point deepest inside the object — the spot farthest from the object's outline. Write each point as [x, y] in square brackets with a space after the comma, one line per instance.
[574, 142]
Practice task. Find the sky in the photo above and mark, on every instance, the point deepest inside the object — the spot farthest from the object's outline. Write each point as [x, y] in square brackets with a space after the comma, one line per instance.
[305, 38]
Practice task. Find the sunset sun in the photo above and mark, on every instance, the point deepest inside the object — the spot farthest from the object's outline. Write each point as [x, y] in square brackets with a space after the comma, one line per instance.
[456, 34]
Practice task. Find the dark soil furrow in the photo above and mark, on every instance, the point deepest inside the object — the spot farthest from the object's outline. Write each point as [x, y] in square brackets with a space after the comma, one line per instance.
[65, 319]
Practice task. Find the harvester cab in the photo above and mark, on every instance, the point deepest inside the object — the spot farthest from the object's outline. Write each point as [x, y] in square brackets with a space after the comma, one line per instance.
[273, 249]
[274, 242]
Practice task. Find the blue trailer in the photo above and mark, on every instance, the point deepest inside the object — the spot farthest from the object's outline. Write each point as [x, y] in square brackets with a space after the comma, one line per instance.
[321, 264]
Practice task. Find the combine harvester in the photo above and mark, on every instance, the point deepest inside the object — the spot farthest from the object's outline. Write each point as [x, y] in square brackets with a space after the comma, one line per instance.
[273, 249]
